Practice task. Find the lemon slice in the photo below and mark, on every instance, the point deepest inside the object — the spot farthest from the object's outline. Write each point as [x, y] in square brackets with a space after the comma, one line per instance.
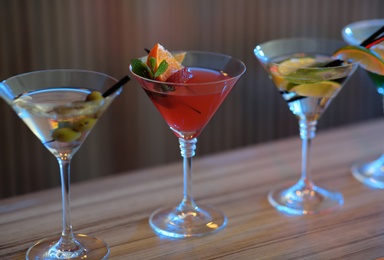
[319, 89]
[277, 79]
[367, 58]
[179, 56]
[293, 64]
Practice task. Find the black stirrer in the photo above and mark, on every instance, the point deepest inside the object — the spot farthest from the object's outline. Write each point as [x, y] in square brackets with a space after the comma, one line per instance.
[116, 86]
[373, 37]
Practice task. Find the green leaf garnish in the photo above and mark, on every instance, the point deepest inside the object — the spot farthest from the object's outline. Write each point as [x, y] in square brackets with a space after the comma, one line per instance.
[152, 63]
[145, 71]
[141, 69]
[161, 69]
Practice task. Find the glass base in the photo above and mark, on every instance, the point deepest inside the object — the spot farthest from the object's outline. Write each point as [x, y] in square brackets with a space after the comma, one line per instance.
[90, 248]
[176, 223]
[370, 173]
[300, 199]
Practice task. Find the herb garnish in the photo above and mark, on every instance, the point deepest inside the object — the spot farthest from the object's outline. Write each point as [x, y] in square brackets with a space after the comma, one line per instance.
[145, 71]
[141, 69]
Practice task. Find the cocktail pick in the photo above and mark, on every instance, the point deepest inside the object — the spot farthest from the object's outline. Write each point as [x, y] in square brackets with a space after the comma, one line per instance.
[116, 86]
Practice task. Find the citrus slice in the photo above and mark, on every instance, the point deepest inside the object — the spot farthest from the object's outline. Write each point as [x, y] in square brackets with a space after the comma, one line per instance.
[319, 89]
[160, 53]
[179, 56]
[367, 58]
[277, 79]
[293, 64]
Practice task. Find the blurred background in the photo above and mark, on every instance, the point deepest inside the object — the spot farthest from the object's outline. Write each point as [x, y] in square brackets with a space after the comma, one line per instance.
[104, 35]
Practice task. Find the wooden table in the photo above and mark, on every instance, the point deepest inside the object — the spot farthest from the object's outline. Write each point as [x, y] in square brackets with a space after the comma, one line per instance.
[117, 208]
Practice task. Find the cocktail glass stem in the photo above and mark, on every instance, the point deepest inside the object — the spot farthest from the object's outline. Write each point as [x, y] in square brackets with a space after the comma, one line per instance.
[67, 246]
[187, 219]
[304, 197]
[187, 150]
[307, 133]
[371, 173]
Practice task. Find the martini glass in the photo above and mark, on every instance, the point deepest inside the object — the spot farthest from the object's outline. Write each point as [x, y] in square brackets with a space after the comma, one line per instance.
[52, 104]
[299, 67]
[371, 173]
[187, 108]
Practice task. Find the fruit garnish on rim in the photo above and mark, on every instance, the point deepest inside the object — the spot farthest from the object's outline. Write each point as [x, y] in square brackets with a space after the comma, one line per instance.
[367, 58]
[157, 56]
[368, 53]
[161, 65]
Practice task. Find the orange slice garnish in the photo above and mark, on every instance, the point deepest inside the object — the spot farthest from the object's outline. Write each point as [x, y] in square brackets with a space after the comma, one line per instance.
[160, 53]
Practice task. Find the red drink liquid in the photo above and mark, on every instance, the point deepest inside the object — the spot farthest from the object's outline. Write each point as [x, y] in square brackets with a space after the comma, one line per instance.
[187, 107]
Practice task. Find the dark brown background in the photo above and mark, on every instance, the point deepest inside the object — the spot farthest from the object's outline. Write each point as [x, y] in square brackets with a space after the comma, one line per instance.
[104, 35]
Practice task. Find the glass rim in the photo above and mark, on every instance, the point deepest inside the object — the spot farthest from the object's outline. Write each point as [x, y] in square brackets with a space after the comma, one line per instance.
[60, 70]
[359, 24]
[258, 48]
[237, 75]
[366, 22]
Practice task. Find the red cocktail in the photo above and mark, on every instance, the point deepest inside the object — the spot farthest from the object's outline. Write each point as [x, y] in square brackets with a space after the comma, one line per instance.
[187, 102]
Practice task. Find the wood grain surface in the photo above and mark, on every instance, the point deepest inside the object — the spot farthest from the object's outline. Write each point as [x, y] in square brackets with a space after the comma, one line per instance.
[117, 208]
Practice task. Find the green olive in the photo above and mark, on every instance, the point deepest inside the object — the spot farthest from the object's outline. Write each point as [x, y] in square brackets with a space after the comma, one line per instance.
[84, 124]
[94, 95]
[65, 135]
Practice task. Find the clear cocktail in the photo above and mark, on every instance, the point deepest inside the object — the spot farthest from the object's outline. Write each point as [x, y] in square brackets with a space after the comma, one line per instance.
[61, 107]
[300, 69]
